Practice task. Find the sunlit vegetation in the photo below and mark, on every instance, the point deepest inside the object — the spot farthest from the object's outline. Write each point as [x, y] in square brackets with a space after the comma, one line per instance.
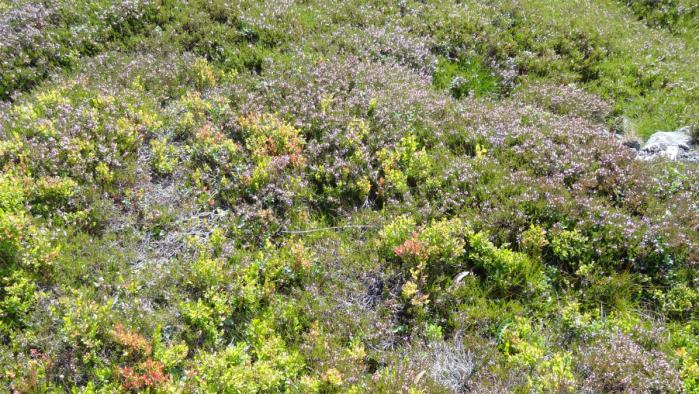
[359, 196]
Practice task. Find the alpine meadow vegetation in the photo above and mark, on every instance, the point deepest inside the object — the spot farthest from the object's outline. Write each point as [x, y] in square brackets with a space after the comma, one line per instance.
[312, 196]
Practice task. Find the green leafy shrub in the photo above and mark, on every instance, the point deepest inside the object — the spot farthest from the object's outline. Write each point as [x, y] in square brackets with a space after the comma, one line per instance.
[205, 76]
[172, 357]
[524, 346]
[680, 300]
[520, 342]
[164, 160]
[394, 234]
[85, 326]
[676, 15]
[266, 365]
[265, 135]
[17, 297]
[12, 220]
[207, 317]
[571, 248]
[11, 193]
[508, 271]
[533, 241]
[101, 132]
[406, 167]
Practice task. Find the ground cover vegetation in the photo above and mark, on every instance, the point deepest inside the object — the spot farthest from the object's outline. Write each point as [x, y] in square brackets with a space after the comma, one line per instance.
[358, 196]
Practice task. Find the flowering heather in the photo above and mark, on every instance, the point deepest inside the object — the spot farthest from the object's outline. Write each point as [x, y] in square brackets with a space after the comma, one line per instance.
[366, 196]
[623, 366]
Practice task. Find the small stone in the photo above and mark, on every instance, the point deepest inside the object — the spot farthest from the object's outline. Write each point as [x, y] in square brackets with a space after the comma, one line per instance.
[672, 145]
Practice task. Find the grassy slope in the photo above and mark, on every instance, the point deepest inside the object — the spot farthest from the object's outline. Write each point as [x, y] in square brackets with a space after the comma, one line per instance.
[648, 73]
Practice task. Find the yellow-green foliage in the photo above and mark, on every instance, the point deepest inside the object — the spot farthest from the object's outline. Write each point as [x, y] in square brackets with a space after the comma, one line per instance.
[523, 346]
[207, 272]
[85, 324]
[24, 242]
[407, 165]
[521, 343]
[394, 234]
[11, 193]
[205, 76]
[51, 193]
[443, 241]
[267, 136]
[195, 110]
[263, 365]
[554, 374]
[206, 316]
[570, 246]
[680, 300]
[19, 294]
[12, 219]
[533, 241]
[507, 270]
[164, 160]
[210, 145]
